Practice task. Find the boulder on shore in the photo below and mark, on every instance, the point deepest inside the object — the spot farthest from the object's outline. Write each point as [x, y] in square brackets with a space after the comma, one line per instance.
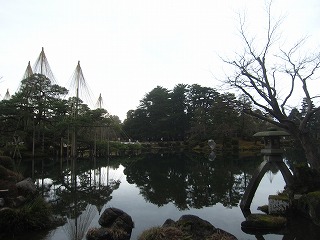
[115, 225]
[187, 227]
[27, 186]
[263, 223]
[309, 206]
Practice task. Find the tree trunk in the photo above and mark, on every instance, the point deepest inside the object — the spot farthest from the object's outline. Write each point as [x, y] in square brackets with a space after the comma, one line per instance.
[311, 151]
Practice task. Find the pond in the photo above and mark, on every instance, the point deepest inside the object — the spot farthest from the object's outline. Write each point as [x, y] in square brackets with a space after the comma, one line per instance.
[152, 188]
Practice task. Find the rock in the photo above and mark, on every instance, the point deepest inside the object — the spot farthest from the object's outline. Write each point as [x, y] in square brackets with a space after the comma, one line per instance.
[116, 220]
[163, 233]
[107, 234]
[168, 223]
[27, 186]
[195, 226]
[18, 201]
[221, 235]
[264, 209]
[187, 227]
[309, 205]
[117, 225]
[263, 222]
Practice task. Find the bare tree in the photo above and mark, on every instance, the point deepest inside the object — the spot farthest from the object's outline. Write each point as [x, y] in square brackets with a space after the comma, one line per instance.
[271, 79]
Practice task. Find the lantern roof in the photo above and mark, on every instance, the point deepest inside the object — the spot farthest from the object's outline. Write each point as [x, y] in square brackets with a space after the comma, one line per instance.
[271, 132]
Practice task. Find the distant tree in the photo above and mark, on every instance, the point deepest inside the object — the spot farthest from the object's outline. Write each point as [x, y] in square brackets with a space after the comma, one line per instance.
[248, 125]
[136, 125]
[224, 116]
[39, 97]
[157, 107]
[200, 102]
[9, 121]
[190, 113]
[178, 118]
[261, 75]
[39, 104]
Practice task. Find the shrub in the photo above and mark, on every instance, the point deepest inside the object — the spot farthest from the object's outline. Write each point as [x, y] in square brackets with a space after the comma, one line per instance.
[9, 221]
[36, 213]
[33, 215]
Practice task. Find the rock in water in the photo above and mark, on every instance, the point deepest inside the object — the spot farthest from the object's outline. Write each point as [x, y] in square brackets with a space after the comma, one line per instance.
[114, 223]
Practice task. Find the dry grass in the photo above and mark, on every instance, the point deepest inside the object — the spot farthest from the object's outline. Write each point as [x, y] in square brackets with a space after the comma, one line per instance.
[221, 235]
[164, 233]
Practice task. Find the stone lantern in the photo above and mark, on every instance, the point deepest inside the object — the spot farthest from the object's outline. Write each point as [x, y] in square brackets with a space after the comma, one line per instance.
[272, 155]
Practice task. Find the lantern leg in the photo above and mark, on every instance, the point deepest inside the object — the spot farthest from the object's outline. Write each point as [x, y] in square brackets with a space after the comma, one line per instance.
[253, 185]
[256, 179]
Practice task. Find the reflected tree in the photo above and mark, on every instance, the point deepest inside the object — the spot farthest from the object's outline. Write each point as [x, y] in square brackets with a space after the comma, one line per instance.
[75, 195]
[189, 181]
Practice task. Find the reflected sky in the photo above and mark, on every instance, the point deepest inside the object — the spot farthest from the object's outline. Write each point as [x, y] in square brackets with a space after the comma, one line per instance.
[146, 214]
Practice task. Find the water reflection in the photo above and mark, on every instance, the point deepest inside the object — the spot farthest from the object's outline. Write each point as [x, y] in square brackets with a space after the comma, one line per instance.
[77, 227]
[190, 182]
[77, 190]
[212, 156]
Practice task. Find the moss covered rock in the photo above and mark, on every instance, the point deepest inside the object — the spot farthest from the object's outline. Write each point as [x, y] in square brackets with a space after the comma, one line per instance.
[107, 234]
[309, 205]
[117, 219]
[195, 226]
[164, 233]
[188, 227]
[115, 225]
[264, 222]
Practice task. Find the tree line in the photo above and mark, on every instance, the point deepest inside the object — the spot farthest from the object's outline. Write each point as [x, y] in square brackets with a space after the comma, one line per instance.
[38, 116]
[190, 112]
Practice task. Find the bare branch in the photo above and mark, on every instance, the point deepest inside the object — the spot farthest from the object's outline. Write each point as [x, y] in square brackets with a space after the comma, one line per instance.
[271, 30]
[244, 36]
[293, 76]
[264, 118]
[257, 76]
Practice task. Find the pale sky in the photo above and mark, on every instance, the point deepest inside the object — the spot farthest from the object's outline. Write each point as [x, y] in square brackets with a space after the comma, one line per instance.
[128, 47]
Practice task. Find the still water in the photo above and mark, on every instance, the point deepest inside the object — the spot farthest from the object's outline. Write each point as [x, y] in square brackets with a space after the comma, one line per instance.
[152, 188]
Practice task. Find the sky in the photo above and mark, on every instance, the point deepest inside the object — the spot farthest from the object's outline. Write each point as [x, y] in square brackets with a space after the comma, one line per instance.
[128, 47]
